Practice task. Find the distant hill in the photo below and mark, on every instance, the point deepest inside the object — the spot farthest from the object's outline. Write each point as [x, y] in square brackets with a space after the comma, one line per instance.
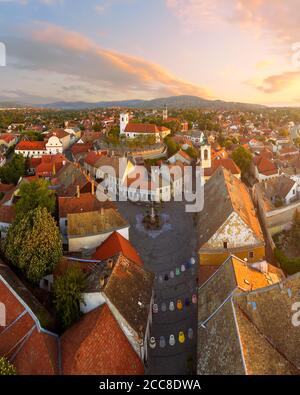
[174, 102]
[12, 105]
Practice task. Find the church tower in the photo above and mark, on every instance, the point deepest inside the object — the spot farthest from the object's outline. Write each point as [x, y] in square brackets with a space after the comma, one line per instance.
[124, 120]
[205, 151]
[165, 113]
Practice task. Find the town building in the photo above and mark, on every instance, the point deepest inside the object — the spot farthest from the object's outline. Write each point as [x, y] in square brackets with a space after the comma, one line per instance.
[134, 130]
[263, 168]
[227, 164]
[277, 201]
[96, 345]
[245, 326]
[82, 203]
[127, 288]
[32, 349]
[87, 230]
[228, 223]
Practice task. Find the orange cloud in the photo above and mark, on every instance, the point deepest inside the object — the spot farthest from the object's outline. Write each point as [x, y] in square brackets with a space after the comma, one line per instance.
[278, 82]
[145, 74]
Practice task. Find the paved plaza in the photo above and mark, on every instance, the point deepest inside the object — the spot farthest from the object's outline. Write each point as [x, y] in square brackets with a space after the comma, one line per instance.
[162, 255]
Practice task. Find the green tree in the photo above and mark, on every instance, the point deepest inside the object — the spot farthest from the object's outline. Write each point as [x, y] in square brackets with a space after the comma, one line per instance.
[193, 152]
[35, 194]
[6, 368]
[97, 127]
[33, 244]
[33, 136]
[173, 147]
[68, 295]
[13, 170]
[242, 157]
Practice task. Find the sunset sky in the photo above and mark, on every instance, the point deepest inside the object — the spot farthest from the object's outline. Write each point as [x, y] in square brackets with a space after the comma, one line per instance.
[235, 50]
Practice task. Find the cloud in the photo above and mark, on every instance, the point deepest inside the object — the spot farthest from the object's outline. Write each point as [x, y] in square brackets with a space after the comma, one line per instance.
[278, 82]
[280, 18]
[54, 49]
[264, 64]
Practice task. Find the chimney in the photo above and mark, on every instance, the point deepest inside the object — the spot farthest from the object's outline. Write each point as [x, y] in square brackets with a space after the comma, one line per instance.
[102, 281]
[93, 187]
[78, 191]
[110, 264]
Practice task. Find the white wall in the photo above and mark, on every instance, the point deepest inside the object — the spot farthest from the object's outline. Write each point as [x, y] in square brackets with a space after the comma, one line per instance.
[91, 301]
[81, 243]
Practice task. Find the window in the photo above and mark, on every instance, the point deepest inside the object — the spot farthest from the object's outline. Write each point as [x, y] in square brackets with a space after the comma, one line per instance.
[206, 154]
[251, 255]
[225, 245]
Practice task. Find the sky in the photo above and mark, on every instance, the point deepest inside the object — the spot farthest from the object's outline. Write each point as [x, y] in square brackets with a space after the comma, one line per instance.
[95, 50]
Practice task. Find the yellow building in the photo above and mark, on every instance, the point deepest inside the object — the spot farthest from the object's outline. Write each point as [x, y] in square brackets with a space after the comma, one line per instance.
[228, 223]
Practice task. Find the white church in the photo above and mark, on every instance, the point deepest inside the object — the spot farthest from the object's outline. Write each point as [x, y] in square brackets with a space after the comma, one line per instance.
[134, 130]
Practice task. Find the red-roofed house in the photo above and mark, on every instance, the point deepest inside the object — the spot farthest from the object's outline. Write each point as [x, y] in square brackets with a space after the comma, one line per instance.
[219, 154]
[114, 245]
[49, 165]
[288, 152]
[80, 150]
[96, 345]
[181, 156]
[31, 149]
[83, 203]
[58, 141]
[263, 168]
[23, 341]
[91, 160]
[228, 164]
[8, 139]
[133, 130]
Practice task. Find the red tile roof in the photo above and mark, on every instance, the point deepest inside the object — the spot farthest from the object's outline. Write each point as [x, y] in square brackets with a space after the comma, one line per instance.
[85, 203]
[8, 138]
[289, 151]
[81, 148]
[146, 128]
[6, 187]
[184, 155]
[32, 163]
[266, 153]
[22, 341]
[96, 345]
[265, 166]
[31, 146]
[117, 244]
[93, 156]
[7, 214]
[48, 164]
[60, 133]
[228, 164]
